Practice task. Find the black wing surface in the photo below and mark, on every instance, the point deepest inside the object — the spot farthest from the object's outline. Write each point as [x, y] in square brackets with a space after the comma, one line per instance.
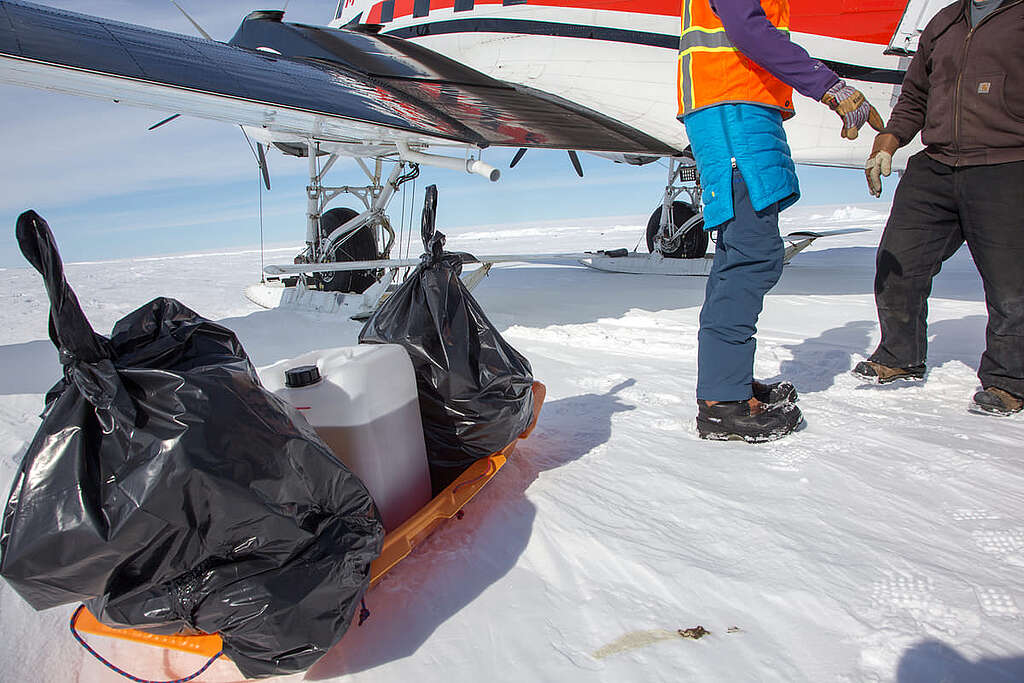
[335, 84]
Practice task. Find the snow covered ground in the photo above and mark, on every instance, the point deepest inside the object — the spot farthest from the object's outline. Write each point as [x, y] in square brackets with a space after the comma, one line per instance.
[884, 542]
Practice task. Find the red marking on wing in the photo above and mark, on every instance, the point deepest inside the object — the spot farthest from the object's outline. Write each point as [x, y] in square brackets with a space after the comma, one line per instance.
[866, 21]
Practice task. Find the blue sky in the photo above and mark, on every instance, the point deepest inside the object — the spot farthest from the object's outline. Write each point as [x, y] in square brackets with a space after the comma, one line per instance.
[111, 189]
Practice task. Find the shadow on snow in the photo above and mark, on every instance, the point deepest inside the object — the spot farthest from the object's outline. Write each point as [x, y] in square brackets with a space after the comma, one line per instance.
[930, 661]
[817, 361]
[465, 557]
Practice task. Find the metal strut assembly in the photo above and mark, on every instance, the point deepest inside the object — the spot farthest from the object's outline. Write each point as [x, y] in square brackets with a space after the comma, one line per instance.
[682, 178]
[375, 197]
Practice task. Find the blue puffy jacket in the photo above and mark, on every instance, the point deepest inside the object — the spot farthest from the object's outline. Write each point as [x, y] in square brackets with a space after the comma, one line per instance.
[753, 136]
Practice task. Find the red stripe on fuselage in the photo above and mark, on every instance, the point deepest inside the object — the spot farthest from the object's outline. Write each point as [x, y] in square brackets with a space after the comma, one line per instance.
[865, 21]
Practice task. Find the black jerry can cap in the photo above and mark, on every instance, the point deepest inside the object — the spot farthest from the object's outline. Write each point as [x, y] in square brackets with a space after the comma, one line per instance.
[302, 376]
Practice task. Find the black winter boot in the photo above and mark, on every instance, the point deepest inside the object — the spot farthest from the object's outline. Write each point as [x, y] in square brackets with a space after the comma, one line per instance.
[995, 401]
[883, 374]
[779, 392]
[750, 421]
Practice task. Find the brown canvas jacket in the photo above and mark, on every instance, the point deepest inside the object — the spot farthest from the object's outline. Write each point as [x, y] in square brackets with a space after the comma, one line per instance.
[964, 90]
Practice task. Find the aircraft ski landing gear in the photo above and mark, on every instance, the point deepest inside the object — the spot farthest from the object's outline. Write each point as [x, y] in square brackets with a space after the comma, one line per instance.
[676, 228]
[342, 234]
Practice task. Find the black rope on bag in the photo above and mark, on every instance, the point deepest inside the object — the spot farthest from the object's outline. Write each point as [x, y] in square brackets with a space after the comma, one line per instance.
[115, 669]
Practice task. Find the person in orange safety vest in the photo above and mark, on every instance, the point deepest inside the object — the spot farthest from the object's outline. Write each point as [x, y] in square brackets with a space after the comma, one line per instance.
[737, 72]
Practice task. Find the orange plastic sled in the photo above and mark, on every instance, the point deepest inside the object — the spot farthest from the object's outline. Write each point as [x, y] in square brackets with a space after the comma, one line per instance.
[397, 544]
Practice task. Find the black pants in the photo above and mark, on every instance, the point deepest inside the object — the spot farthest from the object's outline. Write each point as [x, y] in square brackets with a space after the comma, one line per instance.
[936, 209]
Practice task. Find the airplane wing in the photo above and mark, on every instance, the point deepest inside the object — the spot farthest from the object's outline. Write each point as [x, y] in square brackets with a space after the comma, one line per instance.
[331, 84]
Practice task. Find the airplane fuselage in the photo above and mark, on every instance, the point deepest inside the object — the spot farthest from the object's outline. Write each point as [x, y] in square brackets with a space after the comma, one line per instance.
[619, 57]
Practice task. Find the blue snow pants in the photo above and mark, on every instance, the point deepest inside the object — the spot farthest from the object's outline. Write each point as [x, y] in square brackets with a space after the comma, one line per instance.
[748, 263]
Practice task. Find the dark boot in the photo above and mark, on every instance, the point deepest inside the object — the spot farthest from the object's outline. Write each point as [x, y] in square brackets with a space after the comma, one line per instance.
[750, 420]
[883, 374]
[995, 401]
[779, 392]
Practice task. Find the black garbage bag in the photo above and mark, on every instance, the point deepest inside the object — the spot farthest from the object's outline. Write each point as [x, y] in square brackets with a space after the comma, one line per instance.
[172, 493]
[475, 390]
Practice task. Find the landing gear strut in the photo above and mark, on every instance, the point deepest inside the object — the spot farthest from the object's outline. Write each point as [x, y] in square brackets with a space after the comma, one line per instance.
[342, 234]
[676, 228]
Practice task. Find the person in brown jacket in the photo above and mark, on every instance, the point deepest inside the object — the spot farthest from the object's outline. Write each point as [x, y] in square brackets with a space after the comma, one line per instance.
[964, 91]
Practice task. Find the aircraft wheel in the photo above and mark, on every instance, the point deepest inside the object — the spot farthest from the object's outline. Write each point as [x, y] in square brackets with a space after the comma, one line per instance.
[694, 244]
[360, 247]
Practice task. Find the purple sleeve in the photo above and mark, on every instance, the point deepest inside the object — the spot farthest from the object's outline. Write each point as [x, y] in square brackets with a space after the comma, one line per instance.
[749, 30]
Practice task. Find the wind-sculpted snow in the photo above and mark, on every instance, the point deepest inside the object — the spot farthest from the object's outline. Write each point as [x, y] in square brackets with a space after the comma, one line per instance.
[883, 542]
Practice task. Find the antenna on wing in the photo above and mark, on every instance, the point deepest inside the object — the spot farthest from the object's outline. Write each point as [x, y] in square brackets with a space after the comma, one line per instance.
[258, 152]
[192, 21]
[204, 34]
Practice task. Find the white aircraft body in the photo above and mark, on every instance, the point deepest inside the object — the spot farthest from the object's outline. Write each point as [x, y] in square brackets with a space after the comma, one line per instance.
[619, 57]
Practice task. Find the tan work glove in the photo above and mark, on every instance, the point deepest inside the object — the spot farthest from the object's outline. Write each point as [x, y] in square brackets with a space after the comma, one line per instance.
[853, 108]
[880, 162]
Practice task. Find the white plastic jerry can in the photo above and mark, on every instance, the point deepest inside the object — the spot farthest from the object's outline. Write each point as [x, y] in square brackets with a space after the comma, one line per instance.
[362, 402]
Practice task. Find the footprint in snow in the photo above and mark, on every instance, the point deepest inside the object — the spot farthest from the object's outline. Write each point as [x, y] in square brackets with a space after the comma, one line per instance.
[973, 515]
[999, 541]
[903, 592]
[997, 602]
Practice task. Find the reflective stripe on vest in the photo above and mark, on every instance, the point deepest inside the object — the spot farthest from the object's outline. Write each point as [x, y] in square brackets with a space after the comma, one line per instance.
[713, 71]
